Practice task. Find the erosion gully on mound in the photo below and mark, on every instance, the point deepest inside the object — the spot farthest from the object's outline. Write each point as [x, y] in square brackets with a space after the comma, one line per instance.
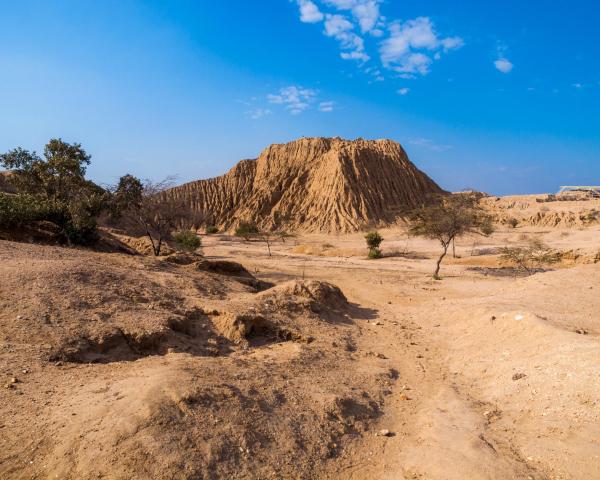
[313, 185]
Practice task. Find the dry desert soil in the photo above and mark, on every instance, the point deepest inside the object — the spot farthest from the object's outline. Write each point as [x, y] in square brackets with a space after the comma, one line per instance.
[311, 363]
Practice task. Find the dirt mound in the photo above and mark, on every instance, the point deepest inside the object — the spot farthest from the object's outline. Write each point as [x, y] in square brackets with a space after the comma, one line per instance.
[136, 367]
[313, 184]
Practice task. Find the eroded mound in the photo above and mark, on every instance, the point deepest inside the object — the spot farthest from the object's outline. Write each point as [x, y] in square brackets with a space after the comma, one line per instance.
[134, 367]
[313, 184]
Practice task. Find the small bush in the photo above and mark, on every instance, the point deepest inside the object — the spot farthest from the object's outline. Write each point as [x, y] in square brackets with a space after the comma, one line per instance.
[247, 230]
[513, 222]
[211, 230]
[187, 240]
[373, 241]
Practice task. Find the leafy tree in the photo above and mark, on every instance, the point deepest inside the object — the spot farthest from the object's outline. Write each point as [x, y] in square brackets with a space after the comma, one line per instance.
[374, 240]
[448, 217]
[57, 185]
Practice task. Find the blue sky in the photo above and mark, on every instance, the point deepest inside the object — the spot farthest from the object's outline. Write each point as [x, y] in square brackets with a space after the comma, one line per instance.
[503, 98]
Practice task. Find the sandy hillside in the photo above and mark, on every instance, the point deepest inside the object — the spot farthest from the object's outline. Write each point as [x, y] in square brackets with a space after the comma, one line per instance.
[313, 185]
[188, 367]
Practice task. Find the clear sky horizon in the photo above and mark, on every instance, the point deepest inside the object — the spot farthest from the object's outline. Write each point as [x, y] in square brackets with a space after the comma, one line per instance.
[501, 98]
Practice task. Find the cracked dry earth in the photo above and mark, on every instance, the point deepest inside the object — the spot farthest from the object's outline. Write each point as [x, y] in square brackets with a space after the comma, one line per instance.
[131, 367]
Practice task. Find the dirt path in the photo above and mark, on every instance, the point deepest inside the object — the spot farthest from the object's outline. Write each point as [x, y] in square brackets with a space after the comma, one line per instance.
[466, 404]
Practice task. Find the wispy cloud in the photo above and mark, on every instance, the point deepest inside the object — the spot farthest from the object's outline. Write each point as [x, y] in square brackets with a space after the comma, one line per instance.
[297, 99]
[258, 113]
[578, 86]
[403, 91]
[326, 107]
[365, 12]
[340, 28]
[429, 144]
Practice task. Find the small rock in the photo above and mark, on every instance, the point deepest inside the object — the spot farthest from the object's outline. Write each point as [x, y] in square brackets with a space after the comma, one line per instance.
[377, 322]
[581, 331]
[384, 433]
[382, 356]
[518, 376]
[14, 380]
[19, 317]
[25, 370]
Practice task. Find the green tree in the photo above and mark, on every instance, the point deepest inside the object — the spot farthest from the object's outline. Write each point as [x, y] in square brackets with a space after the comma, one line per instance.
[58, 186]
[448, 217]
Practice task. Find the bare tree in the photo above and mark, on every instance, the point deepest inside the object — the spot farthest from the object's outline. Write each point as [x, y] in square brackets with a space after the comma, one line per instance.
[150, 208]
[450, 216]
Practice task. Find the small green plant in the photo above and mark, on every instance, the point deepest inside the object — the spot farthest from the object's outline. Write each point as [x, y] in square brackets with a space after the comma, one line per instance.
[247, 230]
[374, 240]
[513, 222]
[187, 240]
[211, 230]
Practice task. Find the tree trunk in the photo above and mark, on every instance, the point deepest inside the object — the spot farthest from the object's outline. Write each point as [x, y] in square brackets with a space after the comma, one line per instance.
[439, 262]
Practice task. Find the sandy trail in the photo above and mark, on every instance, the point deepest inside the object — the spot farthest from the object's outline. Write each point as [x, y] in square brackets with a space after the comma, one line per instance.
[494, 383]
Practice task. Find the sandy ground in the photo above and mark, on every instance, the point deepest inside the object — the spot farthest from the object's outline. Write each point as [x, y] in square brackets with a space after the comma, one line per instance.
[482, 375]
[495, 382]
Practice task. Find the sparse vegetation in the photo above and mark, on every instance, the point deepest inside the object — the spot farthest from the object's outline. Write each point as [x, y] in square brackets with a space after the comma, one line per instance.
[374, 240]
[536, 254]
[448, 217]
[187, 240]
[150, 210]
[247, 230]
[513, 222]
[211, 230]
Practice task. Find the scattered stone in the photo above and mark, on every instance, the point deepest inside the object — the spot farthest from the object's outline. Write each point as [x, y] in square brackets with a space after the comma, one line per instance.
[14, 380]
[384, 433]
[518, 376]
[382, 356]
[581, 331]
[376, 322]
[25, 370]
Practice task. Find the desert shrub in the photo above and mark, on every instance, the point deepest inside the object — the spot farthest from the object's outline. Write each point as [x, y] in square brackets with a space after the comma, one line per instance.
[211, 230]
[512, 222]
[247, 230]
[536, 254]
[187, 240]
[374, 240]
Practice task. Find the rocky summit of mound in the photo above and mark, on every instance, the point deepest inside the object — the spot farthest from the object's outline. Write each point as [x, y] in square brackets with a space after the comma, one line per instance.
[313, 184]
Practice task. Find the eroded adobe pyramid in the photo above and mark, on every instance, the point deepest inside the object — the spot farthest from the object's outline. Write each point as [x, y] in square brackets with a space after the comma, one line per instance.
[313, 185]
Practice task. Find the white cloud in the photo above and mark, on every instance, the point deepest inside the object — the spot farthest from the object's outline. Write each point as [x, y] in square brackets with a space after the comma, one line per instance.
[577, 85]
[326, 107]
[503, 65]
[429, 144]
[365, 12]
[309, 12]
[258, 113]
[296, 99]
[407, 49]
[340, 28]
[403, 91]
